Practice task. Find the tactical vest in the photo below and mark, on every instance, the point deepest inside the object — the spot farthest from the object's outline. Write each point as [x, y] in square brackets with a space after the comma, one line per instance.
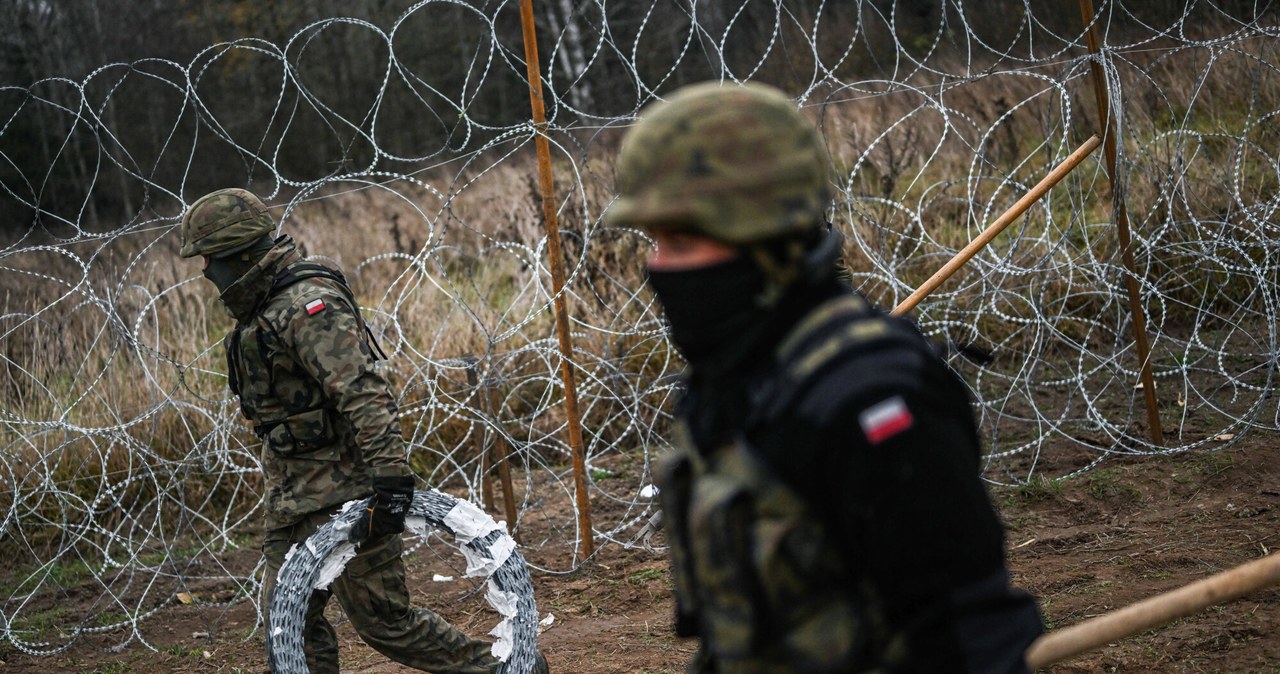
[259, 401]
[756, 574]
[308, 450]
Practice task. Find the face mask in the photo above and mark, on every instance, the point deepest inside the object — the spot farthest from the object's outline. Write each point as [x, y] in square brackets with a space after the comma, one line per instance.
[223, 272]
[712, 311]
[226, 270]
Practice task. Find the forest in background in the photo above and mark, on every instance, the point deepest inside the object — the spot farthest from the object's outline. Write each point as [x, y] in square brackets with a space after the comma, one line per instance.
[303, 82]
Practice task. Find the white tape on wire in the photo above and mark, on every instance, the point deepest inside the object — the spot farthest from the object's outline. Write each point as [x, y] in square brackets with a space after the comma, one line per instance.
[489, 552]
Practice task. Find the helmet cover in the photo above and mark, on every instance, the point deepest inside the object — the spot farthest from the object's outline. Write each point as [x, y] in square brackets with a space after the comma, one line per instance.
[738, 163]
[223, 221]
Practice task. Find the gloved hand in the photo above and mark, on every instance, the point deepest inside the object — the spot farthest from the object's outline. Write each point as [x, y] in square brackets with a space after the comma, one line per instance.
[387, 508]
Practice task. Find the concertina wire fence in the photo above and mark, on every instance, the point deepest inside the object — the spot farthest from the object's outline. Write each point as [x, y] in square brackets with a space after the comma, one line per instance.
[129, 481]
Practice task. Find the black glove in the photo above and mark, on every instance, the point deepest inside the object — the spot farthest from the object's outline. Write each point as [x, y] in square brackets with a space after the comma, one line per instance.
[387, 508]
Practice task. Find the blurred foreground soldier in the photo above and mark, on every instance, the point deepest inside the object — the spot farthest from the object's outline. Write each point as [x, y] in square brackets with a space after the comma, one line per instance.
[302, 362]
[824, 507]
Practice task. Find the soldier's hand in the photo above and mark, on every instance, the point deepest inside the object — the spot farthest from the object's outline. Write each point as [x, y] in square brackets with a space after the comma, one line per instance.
[387, 509]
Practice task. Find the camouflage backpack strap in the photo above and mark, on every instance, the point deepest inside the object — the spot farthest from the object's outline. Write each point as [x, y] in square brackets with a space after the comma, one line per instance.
[824, 335]
[306, 270]
[232, 348]
[301, 271]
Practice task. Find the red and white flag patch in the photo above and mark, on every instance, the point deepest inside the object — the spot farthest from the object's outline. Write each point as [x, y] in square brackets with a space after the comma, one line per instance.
[315, 306]
[885, 419]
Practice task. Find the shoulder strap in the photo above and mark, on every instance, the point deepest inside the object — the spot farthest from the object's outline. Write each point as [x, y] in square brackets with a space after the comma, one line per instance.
[306, 270]
[232, 348]
[821, 337]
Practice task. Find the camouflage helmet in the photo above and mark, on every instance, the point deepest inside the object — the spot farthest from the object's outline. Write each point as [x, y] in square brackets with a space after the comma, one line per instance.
[736, 163]
[223, 221]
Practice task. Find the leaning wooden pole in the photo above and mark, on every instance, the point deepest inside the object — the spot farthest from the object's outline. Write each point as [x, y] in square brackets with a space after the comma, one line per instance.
[547, 184]
[1154, 612]
[1122, 224]
[1057, 174]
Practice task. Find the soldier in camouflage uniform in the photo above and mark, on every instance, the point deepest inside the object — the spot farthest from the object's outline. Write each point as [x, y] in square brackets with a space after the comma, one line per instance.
[824, 507]
[302, 362]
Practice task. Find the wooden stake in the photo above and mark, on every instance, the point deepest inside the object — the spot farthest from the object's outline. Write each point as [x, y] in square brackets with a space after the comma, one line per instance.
[1158, 610]
[501, 455]
[1122, 227]
[482, 452]
[1058, 173]
[547, 183]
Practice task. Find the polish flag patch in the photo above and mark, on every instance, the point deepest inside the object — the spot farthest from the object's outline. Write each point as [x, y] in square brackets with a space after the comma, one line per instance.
[314, 307]
[885, 419]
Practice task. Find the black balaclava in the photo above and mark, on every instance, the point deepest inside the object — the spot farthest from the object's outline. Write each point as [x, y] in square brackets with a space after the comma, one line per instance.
[227, 268]
[727, 318]
[718, 313]
[712, 309]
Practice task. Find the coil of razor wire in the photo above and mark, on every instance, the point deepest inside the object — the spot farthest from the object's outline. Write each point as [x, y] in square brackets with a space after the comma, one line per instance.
[489, 550]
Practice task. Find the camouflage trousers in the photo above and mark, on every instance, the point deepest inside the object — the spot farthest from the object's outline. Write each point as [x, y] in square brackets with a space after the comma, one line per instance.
[372, 592]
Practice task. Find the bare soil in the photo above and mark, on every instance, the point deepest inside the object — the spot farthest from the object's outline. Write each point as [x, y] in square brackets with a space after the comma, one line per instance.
[1127, 530]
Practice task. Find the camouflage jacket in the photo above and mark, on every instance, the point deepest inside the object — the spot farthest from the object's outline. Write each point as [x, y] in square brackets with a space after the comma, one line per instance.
[301, 362]
[843, 527]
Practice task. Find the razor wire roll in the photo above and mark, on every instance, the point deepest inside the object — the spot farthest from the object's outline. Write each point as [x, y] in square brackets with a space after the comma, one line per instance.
[489, 551]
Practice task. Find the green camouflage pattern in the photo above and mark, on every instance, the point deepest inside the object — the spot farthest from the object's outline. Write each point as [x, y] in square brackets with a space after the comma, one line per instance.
[374, 596]
[310, 386]
[753, 571]
[738, 163]
[866, 327]
[222, 221]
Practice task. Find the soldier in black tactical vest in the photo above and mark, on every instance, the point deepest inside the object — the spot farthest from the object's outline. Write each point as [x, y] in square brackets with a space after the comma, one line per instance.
[302, 362]
[824, 506]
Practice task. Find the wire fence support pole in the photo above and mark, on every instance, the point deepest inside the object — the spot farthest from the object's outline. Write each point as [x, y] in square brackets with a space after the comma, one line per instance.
[1122, 223]
[482, 450]
[501, 453]
[547, 184]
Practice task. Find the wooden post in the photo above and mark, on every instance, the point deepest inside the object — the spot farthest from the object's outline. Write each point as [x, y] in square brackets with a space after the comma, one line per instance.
[1122, 225]
[1153, 612]
[1058, 173]
[500, 455]
[482, 450]
[547, 183]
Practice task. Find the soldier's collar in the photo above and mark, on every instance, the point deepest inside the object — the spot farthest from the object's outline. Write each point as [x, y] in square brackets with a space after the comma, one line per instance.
[244, 297]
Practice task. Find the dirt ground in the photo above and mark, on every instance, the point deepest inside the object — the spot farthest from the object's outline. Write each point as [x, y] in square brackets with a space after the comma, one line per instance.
[1127, 530]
